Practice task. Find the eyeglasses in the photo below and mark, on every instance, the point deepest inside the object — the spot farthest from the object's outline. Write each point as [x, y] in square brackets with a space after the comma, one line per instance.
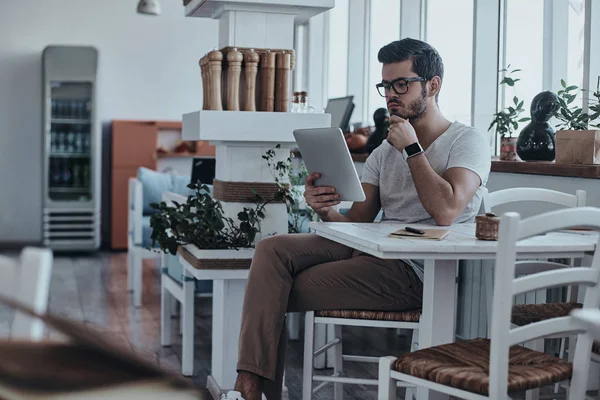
[399, 85]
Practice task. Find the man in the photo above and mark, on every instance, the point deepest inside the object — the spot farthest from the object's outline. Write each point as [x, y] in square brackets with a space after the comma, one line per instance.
[428, 170]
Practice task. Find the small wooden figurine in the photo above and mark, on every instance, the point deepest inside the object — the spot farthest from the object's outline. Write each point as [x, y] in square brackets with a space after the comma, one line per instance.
[215, 66]
[251, 66]
[267, 81]
[234, 70]
[282, 81]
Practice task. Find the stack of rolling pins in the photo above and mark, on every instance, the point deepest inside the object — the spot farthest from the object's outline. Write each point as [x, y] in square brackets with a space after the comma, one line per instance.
[245, 79]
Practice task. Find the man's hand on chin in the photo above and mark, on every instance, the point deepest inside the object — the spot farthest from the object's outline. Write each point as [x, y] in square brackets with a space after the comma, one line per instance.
[401, 133]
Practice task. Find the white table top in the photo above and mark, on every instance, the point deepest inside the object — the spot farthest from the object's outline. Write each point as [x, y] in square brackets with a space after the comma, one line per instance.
[460, 244]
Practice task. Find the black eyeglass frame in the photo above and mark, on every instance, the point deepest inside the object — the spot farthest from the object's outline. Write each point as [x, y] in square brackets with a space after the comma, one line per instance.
[391, 84]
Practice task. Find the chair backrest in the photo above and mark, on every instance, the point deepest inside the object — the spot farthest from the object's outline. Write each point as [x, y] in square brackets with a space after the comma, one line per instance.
[521, 194]
[27, 280]
[512, 229]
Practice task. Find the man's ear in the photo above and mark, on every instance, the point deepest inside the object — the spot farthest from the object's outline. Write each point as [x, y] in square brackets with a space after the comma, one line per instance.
[435, 84]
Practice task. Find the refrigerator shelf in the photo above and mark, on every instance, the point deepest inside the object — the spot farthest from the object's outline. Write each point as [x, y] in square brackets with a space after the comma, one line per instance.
[70, 155]
[69, 189]
[67, 121]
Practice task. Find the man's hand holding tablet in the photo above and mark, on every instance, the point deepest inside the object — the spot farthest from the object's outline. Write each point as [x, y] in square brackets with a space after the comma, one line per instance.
[320, 198]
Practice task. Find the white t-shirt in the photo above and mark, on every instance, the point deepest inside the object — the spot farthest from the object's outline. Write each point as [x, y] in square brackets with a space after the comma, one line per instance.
[459, 146]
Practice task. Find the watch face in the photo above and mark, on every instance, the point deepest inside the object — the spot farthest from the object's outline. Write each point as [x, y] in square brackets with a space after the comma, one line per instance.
[413, 149]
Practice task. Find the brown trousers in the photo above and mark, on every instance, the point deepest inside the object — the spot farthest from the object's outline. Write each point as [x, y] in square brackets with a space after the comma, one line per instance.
[305, 272]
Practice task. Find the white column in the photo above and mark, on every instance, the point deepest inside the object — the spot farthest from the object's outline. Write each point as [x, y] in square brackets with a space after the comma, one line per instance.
[413, 18]
[556, 42]
[486, 16]
[316, 62]
[358, 53]
[301, 48]
[591, 58]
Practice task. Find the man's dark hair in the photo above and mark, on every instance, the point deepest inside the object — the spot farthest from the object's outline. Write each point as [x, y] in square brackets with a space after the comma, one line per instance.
[426, 61]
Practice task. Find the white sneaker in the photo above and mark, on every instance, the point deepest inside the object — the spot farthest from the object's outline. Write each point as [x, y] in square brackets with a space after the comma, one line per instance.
[235, 395]
[232, 395]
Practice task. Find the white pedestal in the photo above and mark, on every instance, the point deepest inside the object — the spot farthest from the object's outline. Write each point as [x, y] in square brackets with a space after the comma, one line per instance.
[241, 139]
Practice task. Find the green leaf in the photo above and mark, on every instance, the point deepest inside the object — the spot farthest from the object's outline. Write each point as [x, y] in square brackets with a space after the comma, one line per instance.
[563, 83]
[515, 100]
[242, 216]
[515, 70]
[569, 88]
[525, 119]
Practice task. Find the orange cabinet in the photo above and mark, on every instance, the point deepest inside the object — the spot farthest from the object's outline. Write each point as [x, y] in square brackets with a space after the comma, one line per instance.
[134, 145]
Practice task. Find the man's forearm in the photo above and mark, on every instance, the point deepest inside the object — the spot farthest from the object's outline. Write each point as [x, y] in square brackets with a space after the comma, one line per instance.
[436, 194]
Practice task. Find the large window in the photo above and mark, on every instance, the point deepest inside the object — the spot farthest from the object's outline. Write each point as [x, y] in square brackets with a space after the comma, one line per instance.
[385, 28]
[337, 72]
[456, 49]
[525, 50]
[575, 43]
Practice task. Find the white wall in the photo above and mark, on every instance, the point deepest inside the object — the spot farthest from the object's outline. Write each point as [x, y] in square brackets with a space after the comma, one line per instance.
[148, 69]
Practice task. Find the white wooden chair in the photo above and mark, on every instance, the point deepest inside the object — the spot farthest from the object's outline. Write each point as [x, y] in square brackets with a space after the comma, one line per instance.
[484, 369]
[532, 307]
[337, 319]
[27, 280]
[137, 248]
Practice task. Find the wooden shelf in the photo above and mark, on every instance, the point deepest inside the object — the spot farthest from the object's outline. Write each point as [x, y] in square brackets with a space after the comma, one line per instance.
[249, 126]
[547, 168]
[175, 155]
[303, 9]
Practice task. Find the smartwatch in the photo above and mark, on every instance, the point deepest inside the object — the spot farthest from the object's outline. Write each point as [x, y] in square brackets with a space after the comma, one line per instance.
[412, 150]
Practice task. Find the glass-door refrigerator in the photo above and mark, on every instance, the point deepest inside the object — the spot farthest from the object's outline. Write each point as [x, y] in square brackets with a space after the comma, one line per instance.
[71, 149]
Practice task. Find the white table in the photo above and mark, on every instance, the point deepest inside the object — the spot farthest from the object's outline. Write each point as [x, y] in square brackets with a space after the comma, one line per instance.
[441, 260]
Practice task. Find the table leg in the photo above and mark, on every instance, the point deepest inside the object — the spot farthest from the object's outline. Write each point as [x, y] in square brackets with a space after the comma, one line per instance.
[187, 324]
[439, 302]
[228, 296]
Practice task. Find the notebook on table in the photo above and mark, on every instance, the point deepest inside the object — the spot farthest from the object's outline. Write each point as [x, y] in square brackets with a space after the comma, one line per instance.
[428, 233]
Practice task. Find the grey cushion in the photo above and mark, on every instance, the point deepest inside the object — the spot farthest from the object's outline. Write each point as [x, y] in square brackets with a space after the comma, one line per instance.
[154, 184]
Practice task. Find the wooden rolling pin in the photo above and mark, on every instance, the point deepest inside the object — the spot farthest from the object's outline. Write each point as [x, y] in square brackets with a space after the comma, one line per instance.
[267, 81]
[215, 66]
[202, 63]
[234, 70]
[251, 66]
[282, 82]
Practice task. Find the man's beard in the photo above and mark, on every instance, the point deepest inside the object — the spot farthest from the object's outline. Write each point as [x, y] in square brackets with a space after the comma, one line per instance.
[416, 108]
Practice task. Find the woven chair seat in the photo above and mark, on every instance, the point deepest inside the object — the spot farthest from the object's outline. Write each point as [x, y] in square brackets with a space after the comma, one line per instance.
[465, 365]
[524, 314]
[397, 316]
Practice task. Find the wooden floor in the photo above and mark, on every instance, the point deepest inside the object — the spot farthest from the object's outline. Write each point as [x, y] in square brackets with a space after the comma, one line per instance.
[93, 289]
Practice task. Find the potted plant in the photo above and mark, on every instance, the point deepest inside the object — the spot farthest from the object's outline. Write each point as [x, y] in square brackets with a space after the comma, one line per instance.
[576, 143]
[200, 221]
[507, 120]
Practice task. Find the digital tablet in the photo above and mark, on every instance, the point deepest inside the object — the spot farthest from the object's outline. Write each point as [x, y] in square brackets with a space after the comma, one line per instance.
[324, 150]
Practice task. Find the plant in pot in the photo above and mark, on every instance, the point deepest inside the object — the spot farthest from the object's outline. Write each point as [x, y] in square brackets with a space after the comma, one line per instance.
[576, 143]
[201, 222]
[507, 120]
